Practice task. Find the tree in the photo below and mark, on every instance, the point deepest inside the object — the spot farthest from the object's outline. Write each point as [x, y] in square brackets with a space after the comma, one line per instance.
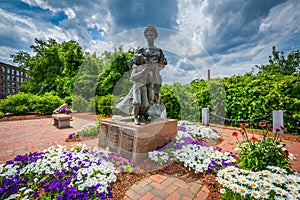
[114, 67]
[52, 67]
[278, 64]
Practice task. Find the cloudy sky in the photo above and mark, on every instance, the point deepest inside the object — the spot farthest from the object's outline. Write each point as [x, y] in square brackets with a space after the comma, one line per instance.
[229, 37]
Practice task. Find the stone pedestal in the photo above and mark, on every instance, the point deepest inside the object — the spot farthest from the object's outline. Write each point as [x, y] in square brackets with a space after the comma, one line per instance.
[133, 141]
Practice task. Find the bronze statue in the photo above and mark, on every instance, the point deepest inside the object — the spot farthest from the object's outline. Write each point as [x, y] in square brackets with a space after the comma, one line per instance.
[146, 64]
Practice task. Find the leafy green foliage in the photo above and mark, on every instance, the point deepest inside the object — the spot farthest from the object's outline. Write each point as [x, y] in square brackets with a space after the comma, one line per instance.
[103, 105]
[1, 114]
[24, 103]
[52, 67]
[88, 76]
[257, 154]
[252, 96]
[115, 65]
[171, 102]
[278, 64]
[79, 103]
[18, 104]
[180, 102]
[47, 103]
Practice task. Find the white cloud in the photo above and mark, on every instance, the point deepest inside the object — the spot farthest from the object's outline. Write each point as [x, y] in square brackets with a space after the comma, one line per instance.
[234, 36]
[70, 13]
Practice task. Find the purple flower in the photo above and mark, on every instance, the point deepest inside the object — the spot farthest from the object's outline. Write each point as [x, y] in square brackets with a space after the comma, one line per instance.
[181, 128]
[122, 169]
[91, 190]
[59, 198]
[36, 194]
[110, 195]
[214, 162]
[9, 162]
[86, 196]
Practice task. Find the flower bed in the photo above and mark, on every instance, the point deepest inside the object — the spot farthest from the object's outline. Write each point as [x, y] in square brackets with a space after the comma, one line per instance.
[60, 174]
[57, 173]
[190, 148]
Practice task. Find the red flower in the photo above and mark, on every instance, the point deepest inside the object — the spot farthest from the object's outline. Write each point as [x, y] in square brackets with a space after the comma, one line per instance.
[282, 128]
[243, 125]
[235, 134]
[270, 127]
[254, 139]
[286, 153]
[262, 124]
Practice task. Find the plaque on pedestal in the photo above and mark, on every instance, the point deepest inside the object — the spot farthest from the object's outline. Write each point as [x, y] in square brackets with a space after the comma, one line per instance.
[113, 138]
[133, 141]
[127, 146]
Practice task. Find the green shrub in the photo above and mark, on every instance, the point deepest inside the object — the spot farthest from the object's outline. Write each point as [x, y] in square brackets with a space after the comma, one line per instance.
[103, 105]
[1, 114]
[80, 104]
[47, 103]
[171, 102]
[18, 104]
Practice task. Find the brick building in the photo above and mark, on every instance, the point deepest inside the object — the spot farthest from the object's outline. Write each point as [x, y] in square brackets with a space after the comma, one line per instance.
[11, 79]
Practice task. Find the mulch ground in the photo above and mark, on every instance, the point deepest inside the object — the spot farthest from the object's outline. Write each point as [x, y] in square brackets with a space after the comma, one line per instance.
[23, 117]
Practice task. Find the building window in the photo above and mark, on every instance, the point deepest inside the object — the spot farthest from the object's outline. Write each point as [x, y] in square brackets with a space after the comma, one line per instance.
[3, 84]
[8, 77]
[13, 71]
[3, 90]
[8, 91]
[3, 69]
[8, 70]
[18, 79]
[18, 73]
[13, 91]
[13, 84]
[3, 77]
[13, 78]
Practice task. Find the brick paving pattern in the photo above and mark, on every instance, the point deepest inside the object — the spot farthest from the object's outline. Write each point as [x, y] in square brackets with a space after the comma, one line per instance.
[164, 187]
[21, 137]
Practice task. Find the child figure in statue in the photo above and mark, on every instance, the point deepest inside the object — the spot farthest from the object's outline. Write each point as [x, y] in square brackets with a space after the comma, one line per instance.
[139, 76]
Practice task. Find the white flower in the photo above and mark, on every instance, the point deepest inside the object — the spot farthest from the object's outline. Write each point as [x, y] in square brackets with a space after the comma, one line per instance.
[243, 191]
[222, 191]
[256, 194]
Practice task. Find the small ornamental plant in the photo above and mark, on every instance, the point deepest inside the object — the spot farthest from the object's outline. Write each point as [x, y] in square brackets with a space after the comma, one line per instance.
[64, 111]
[256, 154]
[73, 137]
